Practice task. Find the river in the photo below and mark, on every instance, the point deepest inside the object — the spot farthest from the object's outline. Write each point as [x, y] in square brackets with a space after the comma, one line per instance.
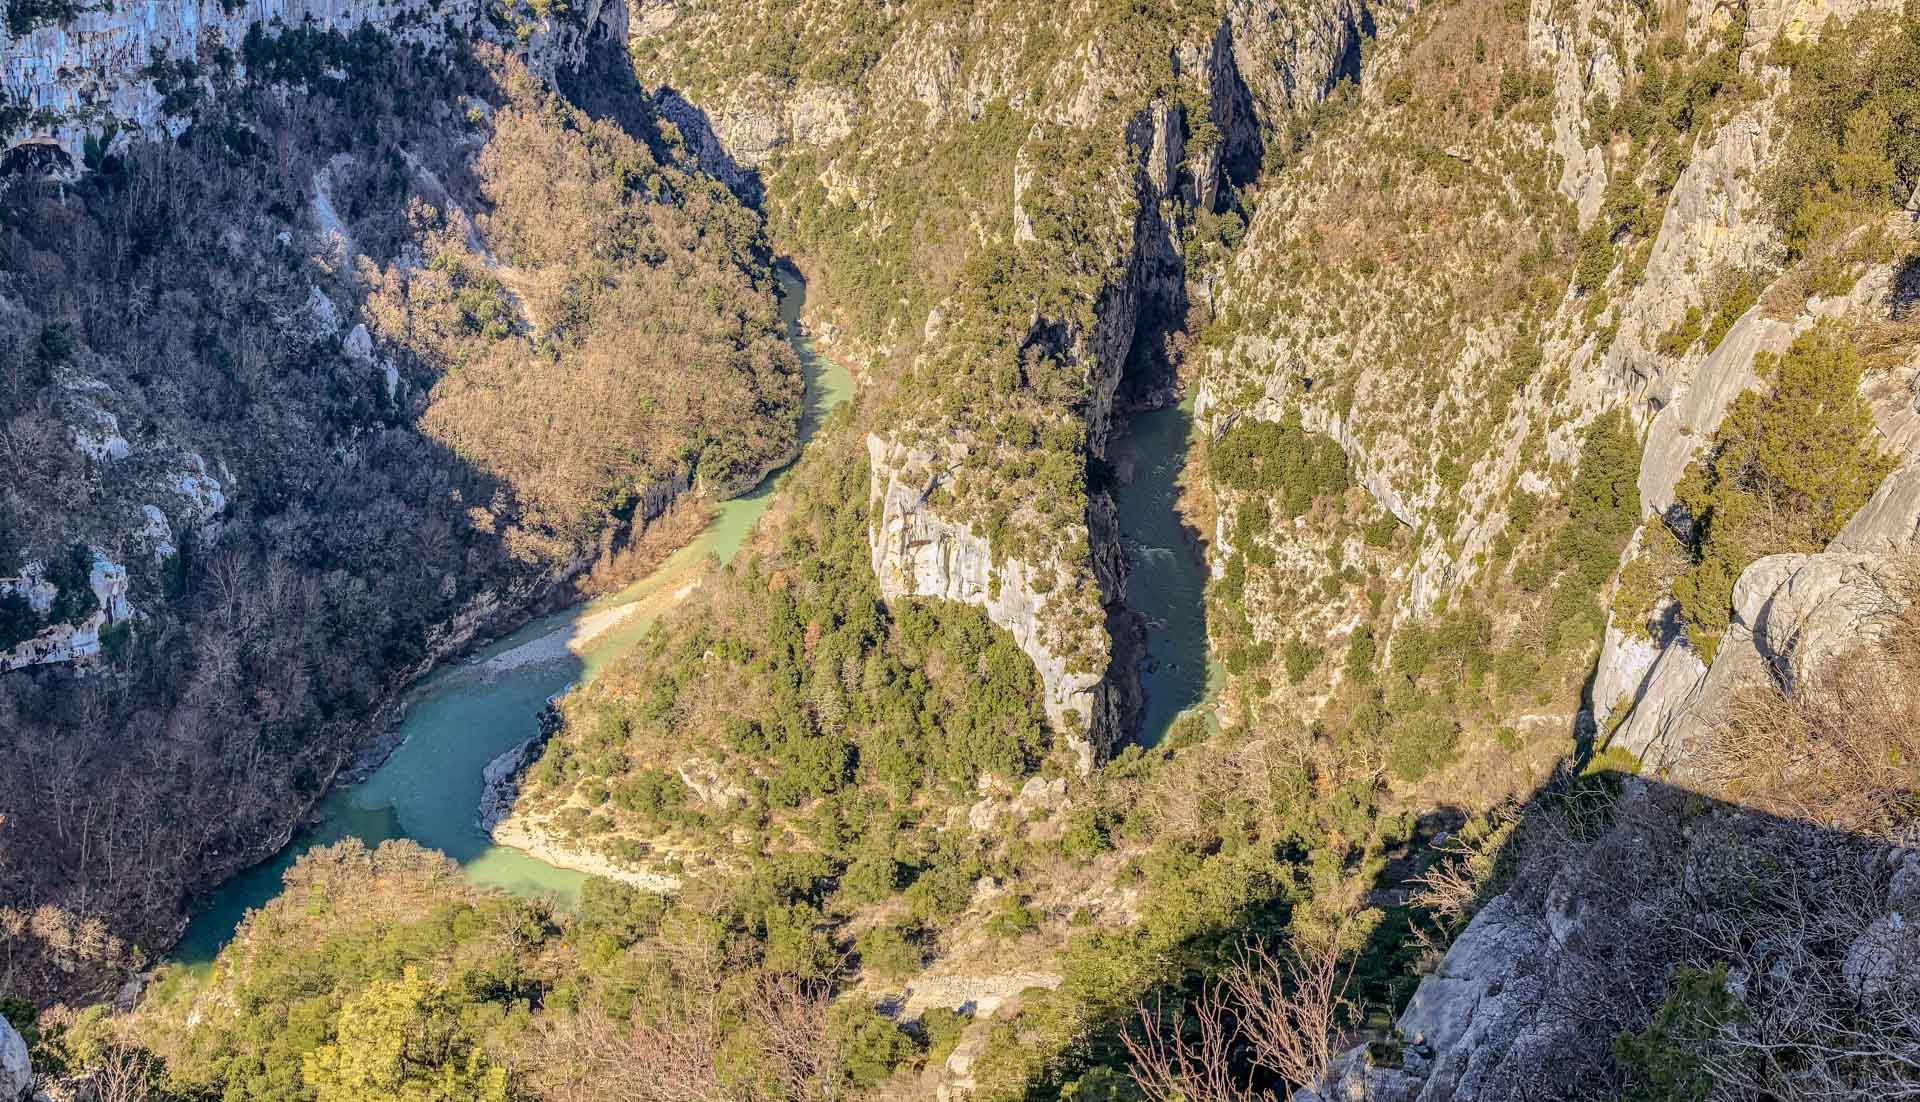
[1167, 574]
[465, 714]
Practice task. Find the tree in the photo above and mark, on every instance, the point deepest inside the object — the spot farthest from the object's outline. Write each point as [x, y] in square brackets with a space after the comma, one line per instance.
[71, 572]
[403, 1041]
[18, 621]
[1788, 468]
[1266, 1015]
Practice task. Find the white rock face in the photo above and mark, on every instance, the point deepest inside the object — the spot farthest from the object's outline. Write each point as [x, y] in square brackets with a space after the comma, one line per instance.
[325, 314]
[103, 444]
[917, 553]
[358, 344]
[157, 533]
[708, 783]
[1680, 428]
[202, 491]
[1621, 674]
[16, 1071]
[1521, 1005]
[65, 642]
[1582, 64]
[92, 71]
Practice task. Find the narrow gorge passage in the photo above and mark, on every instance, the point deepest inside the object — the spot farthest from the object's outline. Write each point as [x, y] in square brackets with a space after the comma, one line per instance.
[1167, 572]
[464, 715]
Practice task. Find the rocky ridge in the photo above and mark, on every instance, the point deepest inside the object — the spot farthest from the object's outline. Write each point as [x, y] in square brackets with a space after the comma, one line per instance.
[1484, 1023]
[102, 73]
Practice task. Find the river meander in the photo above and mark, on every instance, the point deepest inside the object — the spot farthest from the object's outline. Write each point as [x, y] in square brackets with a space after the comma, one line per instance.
[466, 713]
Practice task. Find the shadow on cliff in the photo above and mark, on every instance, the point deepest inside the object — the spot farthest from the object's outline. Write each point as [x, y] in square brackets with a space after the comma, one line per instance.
[607, 87]
[1611, 902]
[347, 546]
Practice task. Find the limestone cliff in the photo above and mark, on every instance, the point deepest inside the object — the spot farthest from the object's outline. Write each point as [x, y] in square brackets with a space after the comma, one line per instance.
[67, 640]
[122, 70]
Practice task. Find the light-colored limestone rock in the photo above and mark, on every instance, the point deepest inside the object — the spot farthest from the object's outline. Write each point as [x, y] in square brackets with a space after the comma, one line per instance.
[102, 442]
[1621, 674]
[709, 784]
[92, 74]
[16, 1070]
[358, 344]
[519, 832]
[205, 498]
[68, 642]
[1680, 428]
[501, 784]
[917, 553]
[157, 533]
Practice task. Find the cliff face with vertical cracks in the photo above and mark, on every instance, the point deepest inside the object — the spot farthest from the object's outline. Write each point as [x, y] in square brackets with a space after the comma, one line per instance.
[1075, 194]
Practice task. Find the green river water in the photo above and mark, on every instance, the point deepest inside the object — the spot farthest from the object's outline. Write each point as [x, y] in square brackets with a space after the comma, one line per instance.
[1167, 575]
[465, 714]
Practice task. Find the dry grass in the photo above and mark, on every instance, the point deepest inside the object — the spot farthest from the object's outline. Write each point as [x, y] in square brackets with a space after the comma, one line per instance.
[1841, 749]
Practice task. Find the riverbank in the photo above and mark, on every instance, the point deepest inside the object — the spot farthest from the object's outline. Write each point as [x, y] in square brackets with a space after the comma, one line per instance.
[1167, 566]
[464, 714]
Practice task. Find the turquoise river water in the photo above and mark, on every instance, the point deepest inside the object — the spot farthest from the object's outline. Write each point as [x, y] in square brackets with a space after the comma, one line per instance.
[465, 714]
[1167, 575]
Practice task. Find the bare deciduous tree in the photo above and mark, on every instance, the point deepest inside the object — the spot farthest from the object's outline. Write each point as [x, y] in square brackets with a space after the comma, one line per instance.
[1267, 1015]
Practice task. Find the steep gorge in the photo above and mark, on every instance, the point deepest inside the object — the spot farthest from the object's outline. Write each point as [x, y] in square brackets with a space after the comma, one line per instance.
[1552, 391]
[286, 512]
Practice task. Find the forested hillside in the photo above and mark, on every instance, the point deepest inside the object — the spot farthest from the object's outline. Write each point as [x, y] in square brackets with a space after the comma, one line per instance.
[304, 401]
[1546, 376]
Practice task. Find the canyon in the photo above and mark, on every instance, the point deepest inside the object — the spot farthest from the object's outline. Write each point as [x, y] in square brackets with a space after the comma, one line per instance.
[1423, 492]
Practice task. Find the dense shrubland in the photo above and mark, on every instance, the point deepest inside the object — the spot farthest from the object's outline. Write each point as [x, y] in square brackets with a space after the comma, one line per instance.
[523, 438]
[792, 686]
[808, 759]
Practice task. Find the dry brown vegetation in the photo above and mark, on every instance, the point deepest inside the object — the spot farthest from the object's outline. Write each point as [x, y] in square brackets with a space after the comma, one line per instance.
[1842, 748]
[359, 521]
[1264, 1016]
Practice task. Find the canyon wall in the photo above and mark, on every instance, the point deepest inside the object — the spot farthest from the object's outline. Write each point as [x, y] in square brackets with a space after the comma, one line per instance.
[112, 69]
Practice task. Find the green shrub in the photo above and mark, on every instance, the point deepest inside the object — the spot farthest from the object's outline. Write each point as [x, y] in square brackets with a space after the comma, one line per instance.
[1419, 743]
[891, 952]
[71, 572]
[1852, 145]
[1012, 919]
[1301, 660]
[1085, 836]
[18, 621]
[1280, 459]
[1664, 1058]
[1787, 469]
[869, 1044]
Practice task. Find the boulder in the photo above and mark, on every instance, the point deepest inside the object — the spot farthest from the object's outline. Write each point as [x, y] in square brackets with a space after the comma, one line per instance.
[16, 1070]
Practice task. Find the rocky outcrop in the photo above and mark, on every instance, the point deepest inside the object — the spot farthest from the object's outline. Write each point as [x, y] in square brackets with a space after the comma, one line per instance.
[1527, 1000]
[1789, 611]
[95, 73]
[1791, 615]
[65, 641]
[16, 1071]
[917, 553]
[501, 784]
[530, 836]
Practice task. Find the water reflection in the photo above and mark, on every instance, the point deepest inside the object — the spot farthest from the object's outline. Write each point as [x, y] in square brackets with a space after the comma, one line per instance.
[1167, 582]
